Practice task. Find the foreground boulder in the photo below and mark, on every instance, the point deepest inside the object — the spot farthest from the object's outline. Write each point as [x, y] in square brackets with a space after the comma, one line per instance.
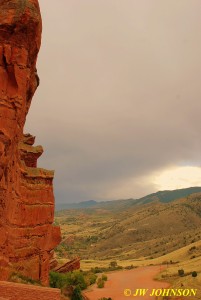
[27, 236]
[17, 291]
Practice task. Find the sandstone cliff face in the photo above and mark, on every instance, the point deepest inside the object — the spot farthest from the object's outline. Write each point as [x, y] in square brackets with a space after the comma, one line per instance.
[27, 237]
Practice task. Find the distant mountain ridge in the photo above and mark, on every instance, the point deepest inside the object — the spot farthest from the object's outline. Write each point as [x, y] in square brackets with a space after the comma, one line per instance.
[149, 227]
[79, 205]
[162, 196]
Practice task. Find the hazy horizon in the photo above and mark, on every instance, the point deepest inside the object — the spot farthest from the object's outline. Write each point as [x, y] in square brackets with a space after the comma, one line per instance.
[59, 204]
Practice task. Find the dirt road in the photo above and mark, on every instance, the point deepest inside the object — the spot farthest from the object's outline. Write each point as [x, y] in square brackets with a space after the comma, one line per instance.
[140, 278]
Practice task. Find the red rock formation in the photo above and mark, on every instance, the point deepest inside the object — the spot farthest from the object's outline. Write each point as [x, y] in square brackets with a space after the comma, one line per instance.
[53, 262]
[69, 266]
[27, 237]
[18, 291]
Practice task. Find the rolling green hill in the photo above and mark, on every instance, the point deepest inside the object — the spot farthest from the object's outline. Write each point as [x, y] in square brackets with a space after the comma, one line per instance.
[146, 228]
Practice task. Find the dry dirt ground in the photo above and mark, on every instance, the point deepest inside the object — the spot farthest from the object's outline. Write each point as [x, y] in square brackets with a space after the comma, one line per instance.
[181, 259]
[142, 277]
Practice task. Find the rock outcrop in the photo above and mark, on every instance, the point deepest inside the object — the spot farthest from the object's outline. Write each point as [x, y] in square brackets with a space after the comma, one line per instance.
[71, 265]
[27, 236]
[18, 291]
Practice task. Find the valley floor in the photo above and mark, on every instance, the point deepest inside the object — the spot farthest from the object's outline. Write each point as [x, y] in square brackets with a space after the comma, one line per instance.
[164, 268]
[129, 281]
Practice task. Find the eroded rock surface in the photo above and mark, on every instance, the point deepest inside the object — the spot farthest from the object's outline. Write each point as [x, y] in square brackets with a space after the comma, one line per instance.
[27, 237]
[70, 266]
[17, 291]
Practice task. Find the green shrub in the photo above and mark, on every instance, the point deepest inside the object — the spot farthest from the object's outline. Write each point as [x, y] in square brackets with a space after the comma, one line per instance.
[57, 280]
[181, 272]
[93, 278]
[110, 268]
[192, 248]
[17, 277]
[100, 283]
[76, 294]
[104, 277]
[113, 264]
[129, 267]
[194, 274]
[90, 278]
[75, 278]
[98, 270]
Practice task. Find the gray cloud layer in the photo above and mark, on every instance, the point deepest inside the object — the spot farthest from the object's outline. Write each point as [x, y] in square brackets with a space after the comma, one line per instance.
[120, 93]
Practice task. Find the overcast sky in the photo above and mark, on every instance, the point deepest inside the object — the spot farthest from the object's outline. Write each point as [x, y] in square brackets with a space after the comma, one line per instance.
[119, 103]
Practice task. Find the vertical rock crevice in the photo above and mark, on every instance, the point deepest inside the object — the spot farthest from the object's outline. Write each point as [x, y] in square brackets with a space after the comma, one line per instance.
[27, 236]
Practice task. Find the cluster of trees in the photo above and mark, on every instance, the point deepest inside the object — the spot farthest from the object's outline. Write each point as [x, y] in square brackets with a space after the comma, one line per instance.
[72, 283]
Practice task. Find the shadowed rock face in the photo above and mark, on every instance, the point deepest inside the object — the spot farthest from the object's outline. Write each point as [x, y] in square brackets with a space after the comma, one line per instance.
[27, 237]
[69, 266]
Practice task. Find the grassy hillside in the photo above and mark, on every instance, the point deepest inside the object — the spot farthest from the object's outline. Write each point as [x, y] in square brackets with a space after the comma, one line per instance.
[187, 258]
[126, 231]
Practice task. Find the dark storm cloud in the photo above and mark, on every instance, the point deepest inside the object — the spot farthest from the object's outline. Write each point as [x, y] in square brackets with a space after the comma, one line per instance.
[120, 94]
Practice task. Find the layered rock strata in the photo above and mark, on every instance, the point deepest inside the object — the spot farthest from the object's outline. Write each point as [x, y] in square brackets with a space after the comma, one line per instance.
[70, 266]
[27, 236]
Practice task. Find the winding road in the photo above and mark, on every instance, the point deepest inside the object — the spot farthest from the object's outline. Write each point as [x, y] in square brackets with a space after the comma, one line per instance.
[131, 280]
